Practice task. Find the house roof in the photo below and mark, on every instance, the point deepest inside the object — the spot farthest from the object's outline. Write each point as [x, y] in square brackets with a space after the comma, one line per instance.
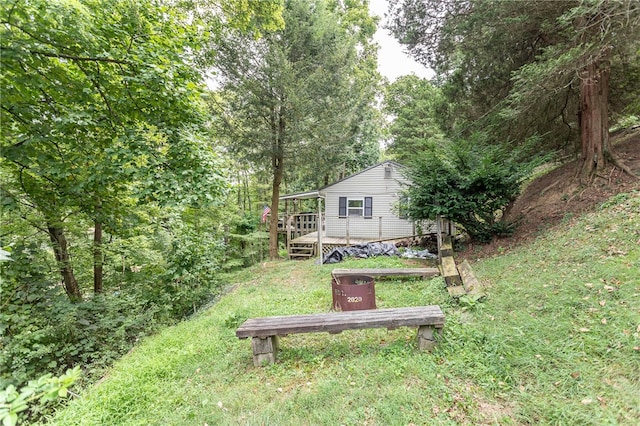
[302, 195]
[318, 192]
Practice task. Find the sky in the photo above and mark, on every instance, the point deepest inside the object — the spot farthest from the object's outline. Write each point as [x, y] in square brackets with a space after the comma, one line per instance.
[392, 61]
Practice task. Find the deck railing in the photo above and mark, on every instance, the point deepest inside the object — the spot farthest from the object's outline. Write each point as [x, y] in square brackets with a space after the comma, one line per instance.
[301, 232]
[358, 228]
[298, 225]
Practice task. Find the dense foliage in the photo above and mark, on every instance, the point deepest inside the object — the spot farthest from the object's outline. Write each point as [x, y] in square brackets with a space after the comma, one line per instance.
[468, 182]
[415, 105]
[127, 188]
[112, 192]
[297, 105]
[566, 70]
[533, 77]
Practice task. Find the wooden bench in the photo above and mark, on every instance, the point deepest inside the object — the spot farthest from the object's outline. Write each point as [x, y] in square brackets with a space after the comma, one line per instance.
[264, 331]
[391, 272]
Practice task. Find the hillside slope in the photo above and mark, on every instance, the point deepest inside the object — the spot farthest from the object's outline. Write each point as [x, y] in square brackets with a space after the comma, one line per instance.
[557, 341]
[556, 197]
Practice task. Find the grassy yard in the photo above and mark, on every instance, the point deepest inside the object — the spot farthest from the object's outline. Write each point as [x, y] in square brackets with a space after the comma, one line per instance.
[555, 342]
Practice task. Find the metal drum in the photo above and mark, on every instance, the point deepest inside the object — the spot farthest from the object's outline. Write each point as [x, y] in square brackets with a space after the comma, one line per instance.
[353, 292]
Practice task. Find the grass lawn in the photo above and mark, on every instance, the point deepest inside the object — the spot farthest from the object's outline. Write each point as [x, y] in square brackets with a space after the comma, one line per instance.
[555, 342]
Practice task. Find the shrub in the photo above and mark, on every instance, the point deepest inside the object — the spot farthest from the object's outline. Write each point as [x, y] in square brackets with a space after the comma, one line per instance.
[468, 182]
[17, 405]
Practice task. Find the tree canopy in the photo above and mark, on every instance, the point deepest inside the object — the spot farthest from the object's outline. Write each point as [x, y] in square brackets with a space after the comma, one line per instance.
[301, 97]
[414, 105]
[108, 174]
[527, 67]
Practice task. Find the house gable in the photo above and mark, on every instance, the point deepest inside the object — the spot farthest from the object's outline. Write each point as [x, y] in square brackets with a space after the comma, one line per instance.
[365, 204]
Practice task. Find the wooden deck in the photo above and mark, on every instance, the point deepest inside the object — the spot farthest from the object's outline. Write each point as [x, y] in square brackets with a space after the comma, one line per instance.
[312, 238]
[306, 246]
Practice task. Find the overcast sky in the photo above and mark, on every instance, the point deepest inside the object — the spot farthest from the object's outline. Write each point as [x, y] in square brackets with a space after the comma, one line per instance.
[392, 61]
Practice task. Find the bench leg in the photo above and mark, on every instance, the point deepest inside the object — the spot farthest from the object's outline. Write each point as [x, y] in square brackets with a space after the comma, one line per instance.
[426, 339]
[264, 350]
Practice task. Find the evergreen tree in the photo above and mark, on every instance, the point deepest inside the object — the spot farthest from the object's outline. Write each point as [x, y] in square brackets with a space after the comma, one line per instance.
[299, 97]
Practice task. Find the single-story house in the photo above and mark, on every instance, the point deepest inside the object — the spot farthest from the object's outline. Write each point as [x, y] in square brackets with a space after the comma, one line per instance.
[360, 208]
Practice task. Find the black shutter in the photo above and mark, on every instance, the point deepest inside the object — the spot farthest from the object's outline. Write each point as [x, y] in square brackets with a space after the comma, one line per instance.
[342, 207]
[368, 207]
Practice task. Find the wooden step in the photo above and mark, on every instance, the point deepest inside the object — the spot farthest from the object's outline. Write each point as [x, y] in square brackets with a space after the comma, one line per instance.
[449, 271]
[301, 250]
[469, 280]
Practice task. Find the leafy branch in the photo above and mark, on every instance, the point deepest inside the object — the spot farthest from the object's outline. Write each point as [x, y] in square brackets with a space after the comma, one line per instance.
[14, 403]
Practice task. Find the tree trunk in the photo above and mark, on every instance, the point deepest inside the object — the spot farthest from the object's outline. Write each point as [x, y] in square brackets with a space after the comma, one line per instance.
[97, 257]
[277, 162]
[594, 118]
[60, 249]
[275, 201]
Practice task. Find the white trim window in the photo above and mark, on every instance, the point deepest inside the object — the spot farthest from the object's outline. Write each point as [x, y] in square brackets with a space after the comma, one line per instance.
[355, 207]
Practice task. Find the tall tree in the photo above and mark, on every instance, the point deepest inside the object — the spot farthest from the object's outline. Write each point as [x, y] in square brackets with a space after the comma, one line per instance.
[99, 103]
[413, 104]
[531, 66]
[295, 97]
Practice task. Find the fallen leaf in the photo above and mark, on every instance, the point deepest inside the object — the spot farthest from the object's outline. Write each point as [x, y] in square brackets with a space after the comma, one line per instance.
[588, 285]
[609, 288]
[575, 374]
[587, 401]
[602, 302]
[603, 321]
[583, 329]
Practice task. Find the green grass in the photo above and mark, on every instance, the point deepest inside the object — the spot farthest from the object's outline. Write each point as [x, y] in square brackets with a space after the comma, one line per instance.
[555, 342]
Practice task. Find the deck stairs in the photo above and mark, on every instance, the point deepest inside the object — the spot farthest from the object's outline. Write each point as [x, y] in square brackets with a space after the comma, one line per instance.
[301, 250]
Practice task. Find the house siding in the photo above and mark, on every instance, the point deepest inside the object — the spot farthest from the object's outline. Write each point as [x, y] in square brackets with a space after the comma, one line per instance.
[385, 192]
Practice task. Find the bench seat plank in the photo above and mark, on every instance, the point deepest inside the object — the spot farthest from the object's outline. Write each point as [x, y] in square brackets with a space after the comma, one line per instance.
[336, 322]
[389, 272]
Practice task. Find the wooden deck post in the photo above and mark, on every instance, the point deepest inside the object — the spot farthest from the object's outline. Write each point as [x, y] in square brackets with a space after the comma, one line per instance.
[380, 228]
[319, 229]
[439, 232]
[347, 230]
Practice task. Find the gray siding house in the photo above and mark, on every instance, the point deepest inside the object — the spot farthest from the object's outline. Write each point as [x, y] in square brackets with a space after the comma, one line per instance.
[359, 208]
[365, 205]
